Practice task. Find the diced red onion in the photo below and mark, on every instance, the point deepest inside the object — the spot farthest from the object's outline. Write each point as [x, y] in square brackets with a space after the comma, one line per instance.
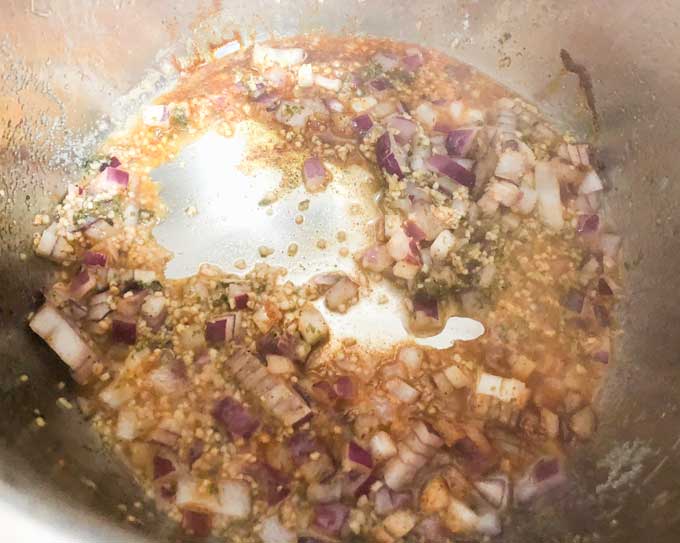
[359, 455]
[546, 474]
[195, 451]
[220, 330]
[198, 524]
[94, 259]
[383, 504]
[459, 141]
[432, 529]
[587, 224]
[330, 518]
[449, 167]
[272, 483]
[162, 467]
[131, 303]
[412, 230]
[269, 100]
[573, 300]
[235, 418]
[123, 331]
[241, 301]
[413, 59]
[405, 128]
[324, 391]
[344, 387]
[442, 127]
[82, 284]
[113, 162]
[154, 311]
[326, 492]
[380, 84]
[301, 445]
[426, 305]
[602, 315]
[314, 174]
[114, 177]
[385, 154]
[603, 287]
[362, 124]
[601, 356]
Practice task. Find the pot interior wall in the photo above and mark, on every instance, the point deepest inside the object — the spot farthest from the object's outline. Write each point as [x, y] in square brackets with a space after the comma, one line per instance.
[72, 70]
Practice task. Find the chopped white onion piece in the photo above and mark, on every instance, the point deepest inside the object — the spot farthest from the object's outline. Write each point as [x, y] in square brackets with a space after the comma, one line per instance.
[401, 390]
[235, 499]
[312, 325]
[505, 389]
[285, 57]
[591, 183]
[48, 239]
[426, 114]
[156, 115]
[527, 201]
[116, 395]
[305, 76]
[127, 425]
[411, 357]
[442, 246]
[327, 83]
[272, 531]
[189, 495]
[341, 295]
[362, 103]
[280, 365]
[382, 446]
[549, 201]
[64, 340]
[457, 377]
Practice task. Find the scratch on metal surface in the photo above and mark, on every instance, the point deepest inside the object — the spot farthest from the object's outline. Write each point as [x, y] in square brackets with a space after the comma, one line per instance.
[676, 444]
[625, 463]
[655, 470]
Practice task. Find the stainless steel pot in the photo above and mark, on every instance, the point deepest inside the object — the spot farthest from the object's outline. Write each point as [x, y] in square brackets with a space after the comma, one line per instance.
[71, 69]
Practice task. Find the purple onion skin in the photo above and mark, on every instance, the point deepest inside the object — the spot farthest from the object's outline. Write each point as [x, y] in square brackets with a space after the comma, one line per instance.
[235, 418]
[459, 142]
[426, 305]
[359, 455]
[573, 300]
[385, 157]
[124, 332]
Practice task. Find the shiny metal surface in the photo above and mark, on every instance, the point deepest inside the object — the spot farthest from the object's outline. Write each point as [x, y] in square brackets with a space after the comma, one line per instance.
[70, 70]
